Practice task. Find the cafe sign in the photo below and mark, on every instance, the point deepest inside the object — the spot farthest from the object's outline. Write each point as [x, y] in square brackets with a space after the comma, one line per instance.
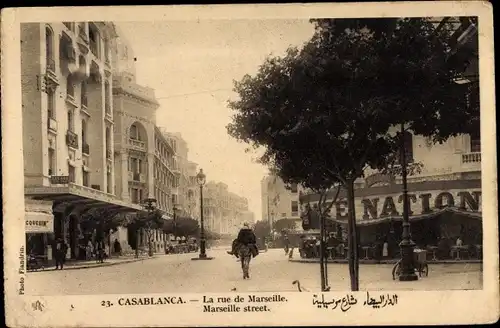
[59, 179]
[38, 222]
[380, 206]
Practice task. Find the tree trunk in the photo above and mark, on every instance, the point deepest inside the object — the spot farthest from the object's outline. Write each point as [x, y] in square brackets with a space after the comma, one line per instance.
[137, 244]
[322, 252]
[352, 243]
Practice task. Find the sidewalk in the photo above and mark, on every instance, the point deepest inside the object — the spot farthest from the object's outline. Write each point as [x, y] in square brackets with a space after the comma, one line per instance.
[392, 261]
[76, 265]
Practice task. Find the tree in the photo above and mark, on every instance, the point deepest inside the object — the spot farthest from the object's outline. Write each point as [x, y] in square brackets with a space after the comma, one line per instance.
[284, 225]
[262, 230]
[330, 110]
[100, 222]
[182, 226]
[149, 222]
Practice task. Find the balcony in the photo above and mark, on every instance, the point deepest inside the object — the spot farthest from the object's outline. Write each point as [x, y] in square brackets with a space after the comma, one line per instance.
[137, 144]
[471, 158]
[72, 139]
[85, 149]
[52, 125]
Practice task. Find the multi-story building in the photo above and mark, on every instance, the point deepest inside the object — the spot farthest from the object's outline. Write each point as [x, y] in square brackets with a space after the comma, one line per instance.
[193, 193]
[143, 157]
[67, 127]
[224, 211]
[279, 201]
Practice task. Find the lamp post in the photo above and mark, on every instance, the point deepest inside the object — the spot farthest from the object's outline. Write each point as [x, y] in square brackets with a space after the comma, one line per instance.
[201, 179]
[406, 245]
[149, 205]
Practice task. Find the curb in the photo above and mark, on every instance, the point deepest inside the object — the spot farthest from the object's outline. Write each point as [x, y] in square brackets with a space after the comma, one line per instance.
[105, 264]
[385, 262]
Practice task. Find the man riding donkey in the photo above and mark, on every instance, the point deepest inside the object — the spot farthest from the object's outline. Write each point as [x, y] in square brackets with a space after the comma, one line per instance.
[246, 236]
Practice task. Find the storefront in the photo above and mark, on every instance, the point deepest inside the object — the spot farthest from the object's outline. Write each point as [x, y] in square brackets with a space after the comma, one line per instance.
[440, 213]
[39, 228]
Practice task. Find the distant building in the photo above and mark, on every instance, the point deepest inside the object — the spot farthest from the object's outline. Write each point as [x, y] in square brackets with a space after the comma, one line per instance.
[279, 201]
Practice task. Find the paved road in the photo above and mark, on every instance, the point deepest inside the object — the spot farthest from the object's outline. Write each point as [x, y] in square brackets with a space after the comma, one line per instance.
[269, 272]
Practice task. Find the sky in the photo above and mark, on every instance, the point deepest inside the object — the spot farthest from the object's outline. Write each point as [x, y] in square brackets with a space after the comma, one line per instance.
[192, 65]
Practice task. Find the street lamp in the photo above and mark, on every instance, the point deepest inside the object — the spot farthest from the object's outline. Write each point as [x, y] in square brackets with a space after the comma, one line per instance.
[149, 205]
[202, 179]
[406, 245]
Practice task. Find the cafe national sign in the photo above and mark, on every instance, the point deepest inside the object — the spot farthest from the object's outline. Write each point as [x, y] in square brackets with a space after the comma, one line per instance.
[420, 203]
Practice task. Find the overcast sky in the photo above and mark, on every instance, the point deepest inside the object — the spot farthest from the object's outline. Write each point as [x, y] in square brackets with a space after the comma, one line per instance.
[191, 65]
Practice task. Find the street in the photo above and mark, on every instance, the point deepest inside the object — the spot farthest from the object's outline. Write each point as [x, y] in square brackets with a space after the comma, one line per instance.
[269, 272]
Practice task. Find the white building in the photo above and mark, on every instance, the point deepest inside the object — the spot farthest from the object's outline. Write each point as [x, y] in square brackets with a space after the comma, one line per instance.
[279, 202]
[67, 127]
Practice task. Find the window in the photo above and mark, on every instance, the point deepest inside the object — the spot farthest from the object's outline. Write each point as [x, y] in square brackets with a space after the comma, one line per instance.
[86, 178]
[94, 40]
[108, 140]
[133, 132]
[49, 49]
[52, 161]
[475, 142]
[109, 184]
[70, 120]
[294, 188]
[107, 105]
[84, 94]
[70, 88]
[295, 206]
[71, 173]
[84, 132]
[51, 104]
[135, 196]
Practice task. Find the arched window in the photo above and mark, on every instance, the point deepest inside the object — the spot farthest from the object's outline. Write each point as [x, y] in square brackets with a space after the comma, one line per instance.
[134, 133]
[49, 49]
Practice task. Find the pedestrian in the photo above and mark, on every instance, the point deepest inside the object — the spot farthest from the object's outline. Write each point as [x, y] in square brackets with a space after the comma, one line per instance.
[60, 253]
[118, 247]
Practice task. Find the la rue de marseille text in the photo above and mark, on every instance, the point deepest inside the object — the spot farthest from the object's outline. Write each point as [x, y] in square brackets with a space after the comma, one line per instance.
[241, 304]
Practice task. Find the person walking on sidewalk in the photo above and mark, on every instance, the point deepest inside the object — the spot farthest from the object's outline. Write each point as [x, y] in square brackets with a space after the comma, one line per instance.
[60, 253]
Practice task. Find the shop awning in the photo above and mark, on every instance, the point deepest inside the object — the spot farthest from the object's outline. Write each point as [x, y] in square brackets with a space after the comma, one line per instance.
[39, 222]
[471, 214]
[85, 197]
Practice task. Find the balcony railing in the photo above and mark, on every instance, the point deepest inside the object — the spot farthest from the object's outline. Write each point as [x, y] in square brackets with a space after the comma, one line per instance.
[471, 158]
[52, 124]
[137, 143]
[72, 139]
[86, 149]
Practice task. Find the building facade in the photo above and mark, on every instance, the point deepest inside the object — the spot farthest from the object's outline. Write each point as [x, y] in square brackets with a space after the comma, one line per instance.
[279, 201]
[68, 121]
[143, 157]
[224, 211]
